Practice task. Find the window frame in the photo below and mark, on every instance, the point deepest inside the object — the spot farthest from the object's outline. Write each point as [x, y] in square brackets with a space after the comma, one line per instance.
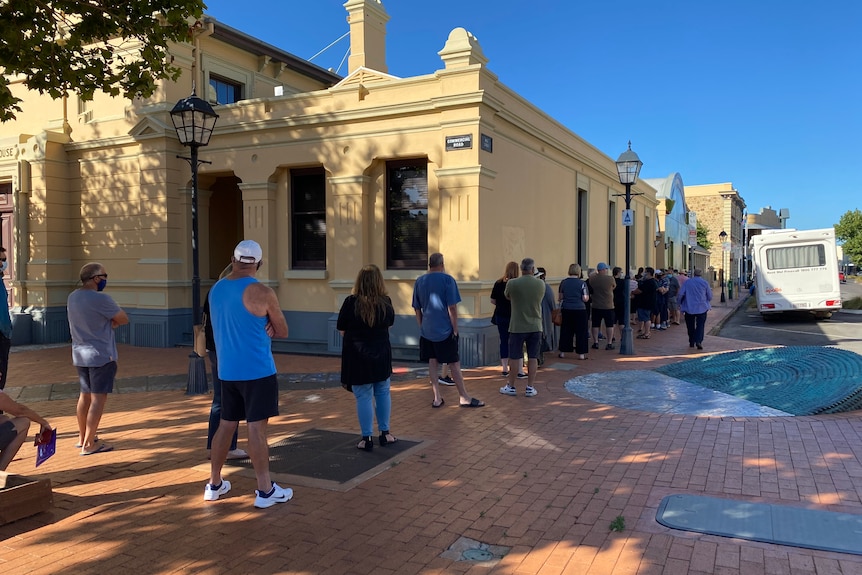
[421, 261]
[298, 239]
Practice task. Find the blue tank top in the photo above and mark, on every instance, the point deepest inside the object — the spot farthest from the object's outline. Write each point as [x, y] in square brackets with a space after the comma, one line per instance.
[243, 347]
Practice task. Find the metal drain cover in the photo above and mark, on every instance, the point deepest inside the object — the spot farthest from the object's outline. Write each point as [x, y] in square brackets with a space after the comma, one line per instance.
[477, 555]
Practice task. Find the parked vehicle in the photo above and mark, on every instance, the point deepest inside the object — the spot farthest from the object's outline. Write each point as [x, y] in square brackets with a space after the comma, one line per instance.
[796, 270]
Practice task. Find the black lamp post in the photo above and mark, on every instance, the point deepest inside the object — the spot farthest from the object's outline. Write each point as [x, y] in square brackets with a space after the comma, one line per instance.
[722, 236]
[628, 168]
[194, 120]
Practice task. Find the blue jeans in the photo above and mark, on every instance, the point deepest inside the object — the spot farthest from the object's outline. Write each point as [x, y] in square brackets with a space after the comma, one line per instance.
[365, 410]
[215, 409]
[695, 323]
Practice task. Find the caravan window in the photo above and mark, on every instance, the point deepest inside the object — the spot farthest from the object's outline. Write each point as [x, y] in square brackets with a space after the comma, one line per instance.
[796, 257]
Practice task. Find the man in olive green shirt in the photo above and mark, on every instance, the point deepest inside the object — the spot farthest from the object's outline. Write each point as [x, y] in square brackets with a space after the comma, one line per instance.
[525, 325]
[602, 286]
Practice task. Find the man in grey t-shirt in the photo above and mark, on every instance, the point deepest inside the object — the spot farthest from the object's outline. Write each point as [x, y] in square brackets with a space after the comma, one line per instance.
[93, 315]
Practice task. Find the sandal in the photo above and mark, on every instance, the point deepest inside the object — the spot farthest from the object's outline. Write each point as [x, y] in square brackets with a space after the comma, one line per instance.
[436, 405]
[642, 336]
[474, 403]
[366, 444]
[386, 438]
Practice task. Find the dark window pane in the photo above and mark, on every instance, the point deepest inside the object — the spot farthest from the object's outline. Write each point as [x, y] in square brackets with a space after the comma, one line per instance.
[407, 220]
[308, 218]
[226, 91]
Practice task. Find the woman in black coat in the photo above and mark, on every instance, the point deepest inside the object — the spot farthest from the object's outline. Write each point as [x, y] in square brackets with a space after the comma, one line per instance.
[366, 354]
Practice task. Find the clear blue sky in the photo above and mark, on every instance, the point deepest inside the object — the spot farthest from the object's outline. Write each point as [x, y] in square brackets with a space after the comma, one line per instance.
[766, 94]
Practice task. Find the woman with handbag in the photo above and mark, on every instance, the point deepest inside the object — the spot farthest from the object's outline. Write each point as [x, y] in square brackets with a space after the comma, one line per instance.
[503, 313]
[573, 295]
[366, 354]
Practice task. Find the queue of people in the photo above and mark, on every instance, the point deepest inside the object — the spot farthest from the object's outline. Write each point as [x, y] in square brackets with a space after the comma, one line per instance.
[244, 314]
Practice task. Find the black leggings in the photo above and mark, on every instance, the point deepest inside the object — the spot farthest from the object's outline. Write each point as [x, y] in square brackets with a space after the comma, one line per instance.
[574, 327]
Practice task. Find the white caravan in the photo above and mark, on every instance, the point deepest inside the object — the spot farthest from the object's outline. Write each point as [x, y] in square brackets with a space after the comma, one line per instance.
[796, 271]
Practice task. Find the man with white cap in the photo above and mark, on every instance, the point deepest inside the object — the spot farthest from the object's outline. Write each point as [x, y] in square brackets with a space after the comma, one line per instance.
[245, 314]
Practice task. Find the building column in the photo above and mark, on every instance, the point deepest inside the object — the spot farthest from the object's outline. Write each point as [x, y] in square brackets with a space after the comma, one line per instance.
[349, 235]
[259, 224]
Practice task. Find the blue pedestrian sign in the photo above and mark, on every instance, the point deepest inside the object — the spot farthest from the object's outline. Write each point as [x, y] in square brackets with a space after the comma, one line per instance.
[628, 218]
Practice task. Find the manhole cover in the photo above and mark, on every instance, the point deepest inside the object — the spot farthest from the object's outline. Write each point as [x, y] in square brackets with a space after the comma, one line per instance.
[477, 555]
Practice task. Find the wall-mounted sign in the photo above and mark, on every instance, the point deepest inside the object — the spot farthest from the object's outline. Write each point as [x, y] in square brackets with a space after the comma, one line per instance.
[8, 152]
[486, 142]
[464, 142]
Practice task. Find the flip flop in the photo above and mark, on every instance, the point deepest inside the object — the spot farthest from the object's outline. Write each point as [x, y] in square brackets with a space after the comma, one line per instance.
[103, 447]
[442, 401]
[473, 403]
[79, 446]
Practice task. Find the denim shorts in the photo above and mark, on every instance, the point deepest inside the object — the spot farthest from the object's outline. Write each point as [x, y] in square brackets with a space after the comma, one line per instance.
[97, 379]
[517, 341]
[644, 314]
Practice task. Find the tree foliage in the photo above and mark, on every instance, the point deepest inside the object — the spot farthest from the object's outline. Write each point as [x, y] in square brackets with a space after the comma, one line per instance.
[848, 230]
[84, 46]
[703, 236]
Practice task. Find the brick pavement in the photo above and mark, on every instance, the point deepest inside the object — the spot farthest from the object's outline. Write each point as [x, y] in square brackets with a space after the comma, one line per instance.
[544, 476]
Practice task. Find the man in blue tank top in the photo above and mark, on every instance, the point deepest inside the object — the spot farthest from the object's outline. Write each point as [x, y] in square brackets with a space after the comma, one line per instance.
[245, 315]
[435, 302]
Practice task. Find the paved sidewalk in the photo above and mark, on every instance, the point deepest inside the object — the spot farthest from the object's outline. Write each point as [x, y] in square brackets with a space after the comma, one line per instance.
[542, 478]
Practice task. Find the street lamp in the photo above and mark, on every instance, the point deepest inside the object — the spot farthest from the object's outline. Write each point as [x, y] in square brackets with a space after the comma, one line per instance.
[194, 120]
[628, 168]
[722, 236]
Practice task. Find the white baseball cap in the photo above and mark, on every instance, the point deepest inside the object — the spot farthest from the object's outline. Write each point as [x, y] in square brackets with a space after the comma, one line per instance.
[248, 252]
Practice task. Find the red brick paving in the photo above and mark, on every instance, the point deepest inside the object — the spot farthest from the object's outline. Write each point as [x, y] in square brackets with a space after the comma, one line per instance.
[544, 476]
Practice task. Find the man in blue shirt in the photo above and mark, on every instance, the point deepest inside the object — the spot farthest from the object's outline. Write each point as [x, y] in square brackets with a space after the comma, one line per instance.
[435, 301]
[694, 299]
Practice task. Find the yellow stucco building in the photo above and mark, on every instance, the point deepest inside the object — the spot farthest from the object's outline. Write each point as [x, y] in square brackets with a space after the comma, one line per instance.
[326, 173]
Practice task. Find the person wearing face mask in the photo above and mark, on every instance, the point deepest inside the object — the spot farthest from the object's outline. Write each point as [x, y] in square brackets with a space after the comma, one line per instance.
[5, 322]
[93, 316]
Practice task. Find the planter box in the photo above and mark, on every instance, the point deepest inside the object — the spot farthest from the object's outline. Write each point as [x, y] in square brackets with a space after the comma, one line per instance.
[23, 496]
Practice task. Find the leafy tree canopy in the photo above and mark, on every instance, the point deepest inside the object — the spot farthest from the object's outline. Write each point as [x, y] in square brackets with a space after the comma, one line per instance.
[84, 46]
[849, 231]
[703, 236]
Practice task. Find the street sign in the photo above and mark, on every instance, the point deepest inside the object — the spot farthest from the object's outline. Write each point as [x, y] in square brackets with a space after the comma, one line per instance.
[692, 237]
[726, 246]
[628, 218]
[692, 219]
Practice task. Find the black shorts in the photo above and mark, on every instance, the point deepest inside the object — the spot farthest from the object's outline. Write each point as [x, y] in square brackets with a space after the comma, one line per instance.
[97, 379]
[253, 400]
[533, 340]
[603, 314]
[8, 433]
[445, 351]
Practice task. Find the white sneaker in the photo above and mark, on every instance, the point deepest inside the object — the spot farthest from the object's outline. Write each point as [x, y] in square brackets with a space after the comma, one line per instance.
[278, 495]
[531, 391]
[235, 454]
[508, 390]
[211, 494]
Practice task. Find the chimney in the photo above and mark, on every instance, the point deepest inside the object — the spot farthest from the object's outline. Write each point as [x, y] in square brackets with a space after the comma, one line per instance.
[367, 19]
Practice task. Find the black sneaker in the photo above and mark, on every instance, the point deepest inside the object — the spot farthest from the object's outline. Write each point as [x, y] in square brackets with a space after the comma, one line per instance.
[609, 346]
[445, 380]
[523, 376]
[596, 345]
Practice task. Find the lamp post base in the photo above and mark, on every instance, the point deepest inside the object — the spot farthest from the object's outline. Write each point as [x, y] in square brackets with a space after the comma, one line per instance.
[723, 299]
[627, 345]
[197, 383]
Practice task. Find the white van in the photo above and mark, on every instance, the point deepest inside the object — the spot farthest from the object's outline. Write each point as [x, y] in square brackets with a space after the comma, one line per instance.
[796, 271]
